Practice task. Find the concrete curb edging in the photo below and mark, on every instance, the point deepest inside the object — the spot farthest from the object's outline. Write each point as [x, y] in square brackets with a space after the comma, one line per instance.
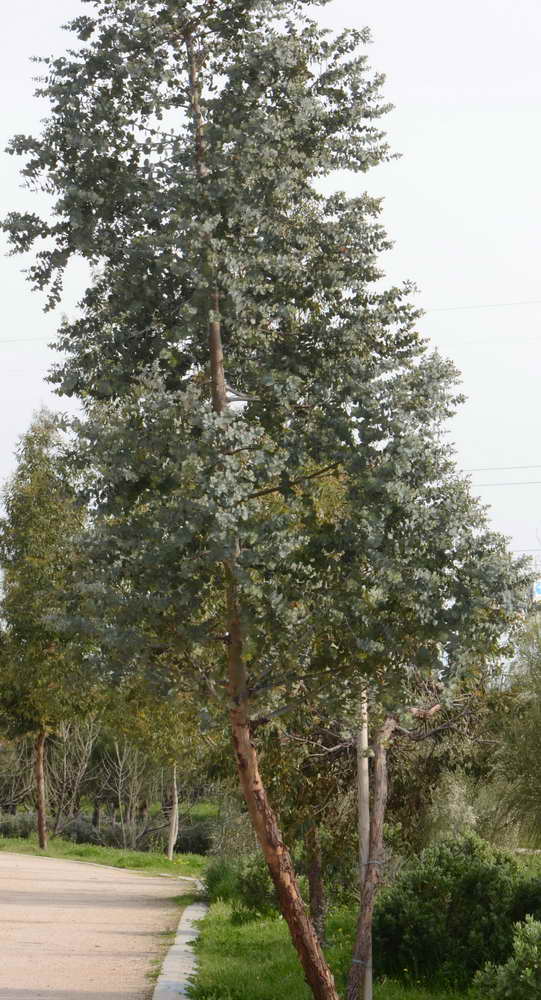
[180, 962]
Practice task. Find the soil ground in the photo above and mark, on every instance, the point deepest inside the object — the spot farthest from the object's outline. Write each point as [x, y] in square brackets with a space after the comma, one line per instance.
[71, 931]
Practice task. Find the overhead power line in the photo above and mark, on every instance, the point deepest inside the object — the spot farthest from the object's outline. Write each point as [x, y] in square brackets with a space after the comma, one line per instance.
[483, 305]
[486, 305]
[24, 340]
[532, 482]
[503, 468]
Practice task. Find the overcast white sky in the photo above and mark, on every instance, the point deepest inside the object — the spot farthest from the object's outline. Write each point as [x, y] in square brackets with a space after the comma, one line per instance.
[463, 205]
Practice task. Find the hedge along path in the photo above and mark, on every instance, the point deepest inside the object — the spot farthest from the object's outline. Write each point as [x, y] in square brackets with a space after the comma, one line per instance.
[72, 930]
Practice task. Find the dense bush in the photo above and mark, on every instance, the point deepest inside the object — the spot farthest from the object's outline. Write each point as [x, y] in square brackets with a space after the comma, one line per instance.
[193, 839]
[196, 838]
[80, 831]
[520, 977]
[449, 912]
[21, 824]
[527, 898]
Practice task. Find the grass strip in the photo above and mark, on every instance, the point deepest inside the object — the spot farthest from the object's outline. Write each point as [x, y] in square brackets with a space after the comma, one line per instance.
[256, 961]
[152, 863]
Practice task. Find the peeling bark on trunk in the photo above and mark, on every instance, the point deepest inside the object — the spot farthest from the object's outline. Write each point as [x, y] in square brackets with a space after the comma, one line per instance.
[173, 816]
[316, 971]
[39, 768]
[363, 943]
[318, 902]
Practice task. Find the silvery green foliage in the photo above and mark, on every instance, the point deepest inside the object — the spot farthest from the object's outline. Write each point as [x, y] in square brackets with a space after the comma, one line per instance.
[401, 567]
[520, 977]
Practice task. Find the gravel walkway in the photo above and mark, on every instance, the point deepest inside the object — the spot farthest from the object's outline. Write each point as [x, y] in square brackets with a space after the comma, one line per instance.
[72, 931]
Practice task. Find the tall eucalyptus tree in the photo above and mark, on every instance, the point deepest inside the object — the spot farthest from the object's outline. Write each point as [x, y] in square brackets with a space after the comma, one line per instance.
[184, 147]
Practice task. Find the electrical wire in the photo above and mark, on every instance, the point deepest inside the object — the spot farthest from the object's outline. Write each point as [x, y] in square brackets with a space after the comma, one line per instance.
[531, 482]
[503, 468]
[485, 305]
[24, 340]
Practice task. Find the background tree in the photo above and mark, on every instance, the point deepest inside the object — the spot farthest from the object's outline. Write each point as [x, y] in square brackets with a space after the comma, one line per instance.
[44, 680]
[516, 749]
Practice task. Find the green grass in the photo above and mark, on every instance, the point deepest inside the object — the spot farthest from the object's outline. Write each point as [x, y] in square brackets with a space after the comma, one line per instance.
[201, 811]
[256, 961]
[150, 862]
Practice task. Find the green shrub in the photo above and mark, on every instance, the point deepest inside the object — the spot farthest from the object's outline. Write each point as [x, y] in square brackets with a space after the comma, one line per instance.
[195, 839]
[80, 831]
[527, 898]
[448, 913]
[246, 884]
[520, 977]
[256, 893]
[221, 880]
[20, 825]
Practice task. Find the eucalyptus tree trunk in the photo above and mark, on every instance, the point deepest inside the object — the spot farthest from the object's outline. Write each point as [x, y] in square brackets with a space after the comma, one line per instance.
[173, 816]
[318, 901]
[363, 826]
[303, 935]
[363, 942]
[41, 799]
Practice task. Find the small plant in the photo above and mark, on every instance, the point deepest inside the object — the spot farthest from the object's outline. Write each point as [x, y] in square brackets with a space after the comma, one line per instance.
[246, 884]
[221, 880]
[256, 894]
[520, 977]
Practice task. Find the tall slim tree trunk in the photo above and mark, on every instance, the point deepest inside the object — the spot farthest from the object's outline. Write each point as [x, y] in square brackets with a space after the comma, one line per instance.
[173, 816]
[41, 799]
[316, 971]
[363, 825]
[318, 902]
[96, 814]
[363, 943]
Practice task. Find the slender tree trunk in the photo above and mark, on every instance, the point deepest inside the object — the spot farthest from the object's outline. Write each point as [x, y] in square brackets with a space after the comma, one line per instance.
[363, 943]
[316, 971]
[96, 814]
[363, 824]
[173, 816]
[39, 767]
[120, 783]
[60, 809]
[318, 902]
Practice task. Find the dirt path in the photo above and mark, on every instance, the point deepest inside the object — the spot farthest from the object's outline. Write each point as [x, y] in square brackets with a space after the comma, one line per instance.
[71, 931]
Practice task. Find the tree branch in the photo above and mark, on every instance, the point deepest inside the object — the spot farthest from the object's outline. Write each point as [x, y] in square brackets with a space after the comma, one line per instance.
[292, 482]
